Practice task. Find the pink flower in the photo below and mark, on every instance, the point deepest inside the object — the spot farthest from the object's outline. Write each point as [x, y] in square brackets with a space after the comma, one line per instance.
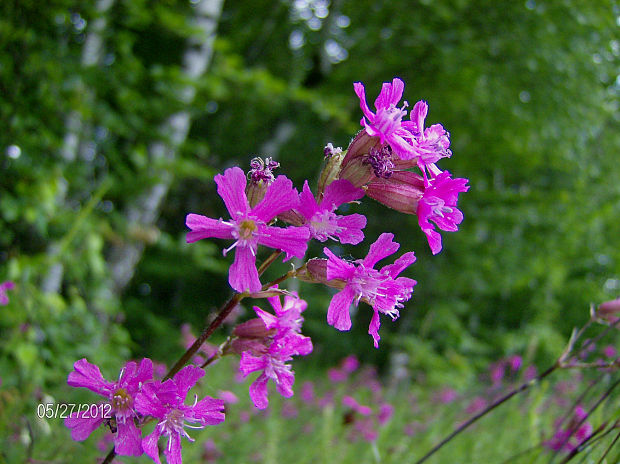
[166, 402]
[248, 226]
[430, 144]
[284, 339]
[352, 403]
[8, 285]
[381, 289]
[387, 123]
[438, 204]
[121, 396]
[574, 434]
[320, 218]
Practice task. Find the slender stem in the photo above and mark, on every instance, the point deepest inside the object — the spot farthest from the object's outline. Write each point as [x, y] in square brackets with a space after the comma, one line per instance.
[191, 351]
[576, 427]
[272, 257]
[611, 445]
[487, 410]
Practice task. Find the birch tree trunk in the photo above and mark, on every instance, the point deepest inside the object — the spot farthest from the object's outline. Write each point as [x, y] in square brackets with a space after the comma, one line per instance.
[144, 211]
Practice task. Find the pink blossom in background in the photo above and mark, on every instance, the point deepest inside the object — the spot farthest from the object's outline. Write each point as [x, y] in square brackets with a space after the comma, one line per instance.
[387, 122]
[289, 411]
[610, 351]
[382, 289]
[248, 226]
[438, 204]
[350, 364]
[446, 396]
[515, 362]
[4, 287]
[166, 402]
[121, 395]
[352, 403]
[497, 372]
[386, 411]
[321, 220]
[476, 405]
[336, 375]
[227, 397]
[573, 434]
[210, 451]
[307, 392]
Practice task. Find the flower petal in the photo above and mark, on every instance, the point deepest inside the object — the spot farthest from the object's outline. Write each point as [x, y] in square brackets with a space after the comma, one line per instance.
[89, 376]
[149, 444]
[205, 227]
[128, 439]
[242, 275]
[279, 197]
[383, 247]
[292, 240]
[81, 428]
[172, 451]
[186, 378]
[338, 312]
[339, 192]
[307, 204]
[258, 392]
[231, 187]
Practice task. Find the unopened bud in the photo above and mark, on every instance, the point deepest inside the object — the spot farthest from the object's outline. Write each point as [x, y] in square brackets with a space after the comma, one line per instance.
[355, 166]
[609, 310]
[315, 272]
[254, 328]
[331, 168]
[260, 177]
[402, 191]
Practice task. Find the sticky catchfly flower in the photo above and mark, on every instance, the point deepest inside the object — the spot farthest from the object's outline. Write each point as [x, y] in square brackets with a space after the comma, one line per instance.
[283, 341]
[382, 289]
[166, 402]
[430, 144]
[248, 226]
[438, 204]
[120, 396]
[321, 219]
[387, 122]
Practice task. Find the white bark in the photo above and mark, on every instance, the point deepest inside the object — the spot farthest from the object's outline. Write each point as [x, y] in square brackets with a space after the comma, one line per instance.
[143, 212]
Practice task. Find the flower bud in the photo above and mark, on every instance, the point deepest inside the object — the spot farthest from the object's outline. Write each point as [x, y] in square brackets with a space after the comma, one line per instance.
[331, 168]
[254, 328]
[401, 191]
[609, 310]
[315, 272]
[355, 166]
[260, 177]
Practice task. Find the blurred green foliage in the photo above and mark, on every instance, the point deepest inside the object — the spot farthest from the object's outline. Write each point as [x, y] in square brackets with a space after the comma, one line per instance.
[528, 91]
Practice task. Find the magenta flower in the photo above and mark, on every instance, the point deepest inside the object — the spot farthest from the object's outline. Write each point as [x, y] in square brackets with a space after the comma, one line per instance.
[387, 122]
[166, 402]
[285, 342]
[382, 289]
[438, 204]
[8, 285]
[574, 434]
[321, 220]
[248, 226]
[430, 144]
[120, 395]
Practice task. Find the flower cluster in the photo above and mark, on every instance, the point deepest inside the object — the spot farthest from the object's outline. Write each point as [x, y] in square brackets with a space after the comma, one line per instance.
[268, 211]
[136, 395]
[279, 341]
